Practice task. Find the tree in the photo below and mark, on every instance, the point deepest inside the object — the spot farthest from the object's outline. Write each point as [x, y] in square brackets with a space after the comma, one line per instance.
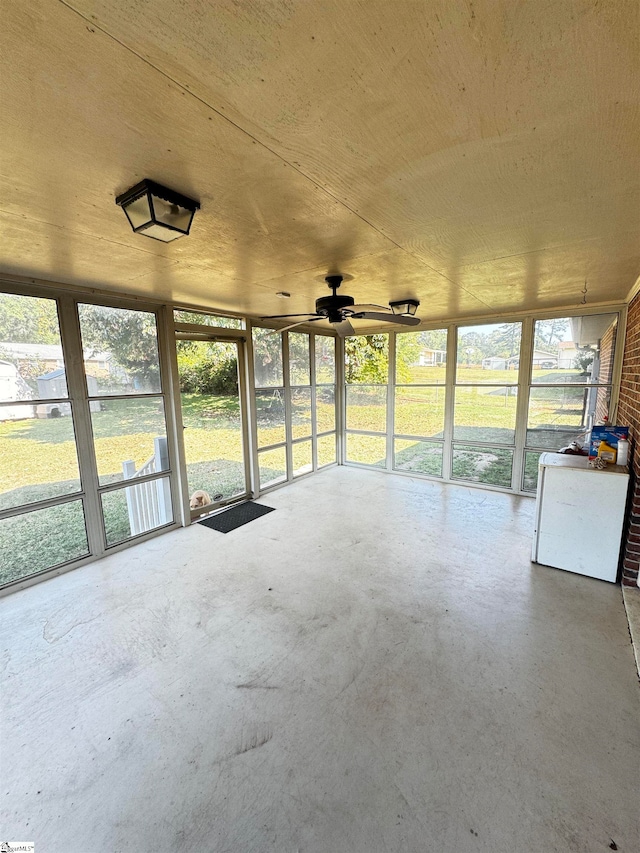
[505, 340]
[367, 359]
[28, 320]
[408, 346]
[434, 339]
[207, 367]
[130, 337]
[584, 359]
[267, 358]
[472, 348]
[549, 333]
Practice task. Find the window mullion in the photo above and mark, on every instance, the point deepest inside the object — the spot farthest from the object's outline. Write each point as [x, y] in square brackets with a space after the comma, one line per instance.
[450, 375]
[314, 425]
[522, 404]
[288, 430]
[391, 387]
[76, 387]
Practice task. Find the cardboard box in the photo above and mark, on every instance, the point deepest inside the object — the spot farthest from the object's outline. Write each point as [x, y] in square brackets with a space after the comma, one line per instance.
[610, 434]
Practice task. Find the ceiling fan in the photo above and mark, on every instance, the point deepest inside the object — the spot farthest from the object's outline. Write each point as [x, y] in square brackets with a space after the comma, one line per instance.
[340, 309]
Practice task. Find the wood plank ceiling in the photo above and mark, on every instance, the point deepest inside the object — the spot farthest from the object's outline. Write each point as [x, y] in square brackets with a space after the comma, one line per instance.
[480, 156]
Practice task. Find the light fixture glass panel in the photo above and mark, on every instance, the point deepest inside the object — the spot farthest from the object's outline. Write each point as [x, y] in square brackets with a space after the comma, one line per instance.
[367, 407]
[366, 359]
[326, 449]
[134, 510]
[325, 360]
[421, 357]
[557, 416]
[302, 458]
[38, 458]
[130, 438]
[267, 358]
[489, 353]
[299, 368]
[422, 457]
[31, 358]
[489, 465]
[576, 350]
[300, 412]
[171, 214]
[273, 466]
[159, 232]
[120, 350]
[367, 450]
[485, 414]
[138, 211]
[420, 411]
[325, 408]
[270, 417]
[41, 539]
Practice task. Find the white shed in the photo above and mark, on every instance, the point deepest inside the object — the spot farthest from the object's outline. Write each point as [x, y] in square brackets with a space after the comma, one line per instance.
[13, 388]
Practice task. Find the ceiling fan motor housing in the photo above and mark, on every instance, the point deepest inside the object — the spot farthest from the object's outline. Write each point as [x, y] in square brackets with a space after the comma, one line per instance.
[332, 306]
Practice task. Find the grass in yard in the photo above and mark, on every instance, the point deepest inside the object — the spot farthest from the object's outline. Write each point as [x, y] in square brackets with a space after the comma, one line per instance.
[490, 465]
[420, 411]
[367, 449]
[41, 540]
[423, 457]
[530, 483]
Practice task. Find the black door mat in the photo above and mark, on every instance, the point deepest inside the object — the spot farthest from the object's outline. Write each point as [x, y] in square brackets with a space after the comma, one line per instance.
[238, 515]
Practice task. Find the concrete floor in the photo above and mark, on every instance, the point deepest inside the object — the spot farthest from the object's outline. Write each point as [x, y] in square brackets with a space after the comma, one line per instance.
[374, 667]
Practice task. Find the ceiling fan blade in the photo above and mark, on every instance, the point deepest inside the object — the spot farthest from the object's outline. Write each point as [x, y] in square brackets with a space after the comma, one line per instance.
[399, 319]
[356, 309]
[300, 323]
[343, 329]
[286, 316]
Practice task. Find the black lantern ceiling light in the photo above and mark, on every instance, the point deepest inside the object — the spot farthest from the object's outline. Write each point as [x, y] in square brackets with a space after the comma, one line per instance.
[158, 212]
[405, 306]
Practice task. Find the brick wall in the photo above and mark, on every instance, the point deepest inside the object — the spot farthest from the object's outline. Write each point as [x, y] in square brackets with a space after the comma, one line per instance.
[629, 413]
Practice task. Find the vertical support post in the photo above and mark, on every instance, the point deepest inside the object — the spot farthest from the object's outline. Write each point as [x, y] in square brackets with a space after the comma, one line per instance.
[288, 431]
[341, 393]
[314, 425]
[522, 403]
[449, 402]
[391, 379]
[250, 376]
[76, 385]
[173, 413]
[133, 507]
[162, 485]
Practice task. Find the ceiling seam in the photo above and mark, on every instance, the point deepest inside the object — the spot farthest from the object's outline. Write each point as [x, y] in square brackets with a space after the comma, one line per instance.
[86, 234]
[226, 118]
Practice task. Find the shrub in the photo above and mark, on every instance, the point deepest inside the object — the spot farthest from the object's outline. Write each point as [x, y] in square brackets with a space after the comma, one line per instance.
[209, 376]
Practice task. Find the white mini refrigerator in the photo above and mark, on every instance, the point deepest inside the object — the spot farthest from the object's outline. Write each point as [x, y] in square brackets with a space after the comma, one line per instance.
[579, 516]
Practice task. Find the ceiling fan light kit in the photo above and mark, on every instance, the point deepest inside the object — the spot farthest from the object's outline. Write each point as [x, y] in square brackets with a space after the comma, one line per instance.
[157, 211]
[340, 309]
[405, 306]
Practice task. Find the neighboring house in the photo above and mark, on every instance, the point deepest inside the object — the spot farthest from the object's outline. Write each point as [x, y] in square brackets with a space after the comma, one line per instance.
[50, 356]
[431, 357]
[567, 352]
[541, 360]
